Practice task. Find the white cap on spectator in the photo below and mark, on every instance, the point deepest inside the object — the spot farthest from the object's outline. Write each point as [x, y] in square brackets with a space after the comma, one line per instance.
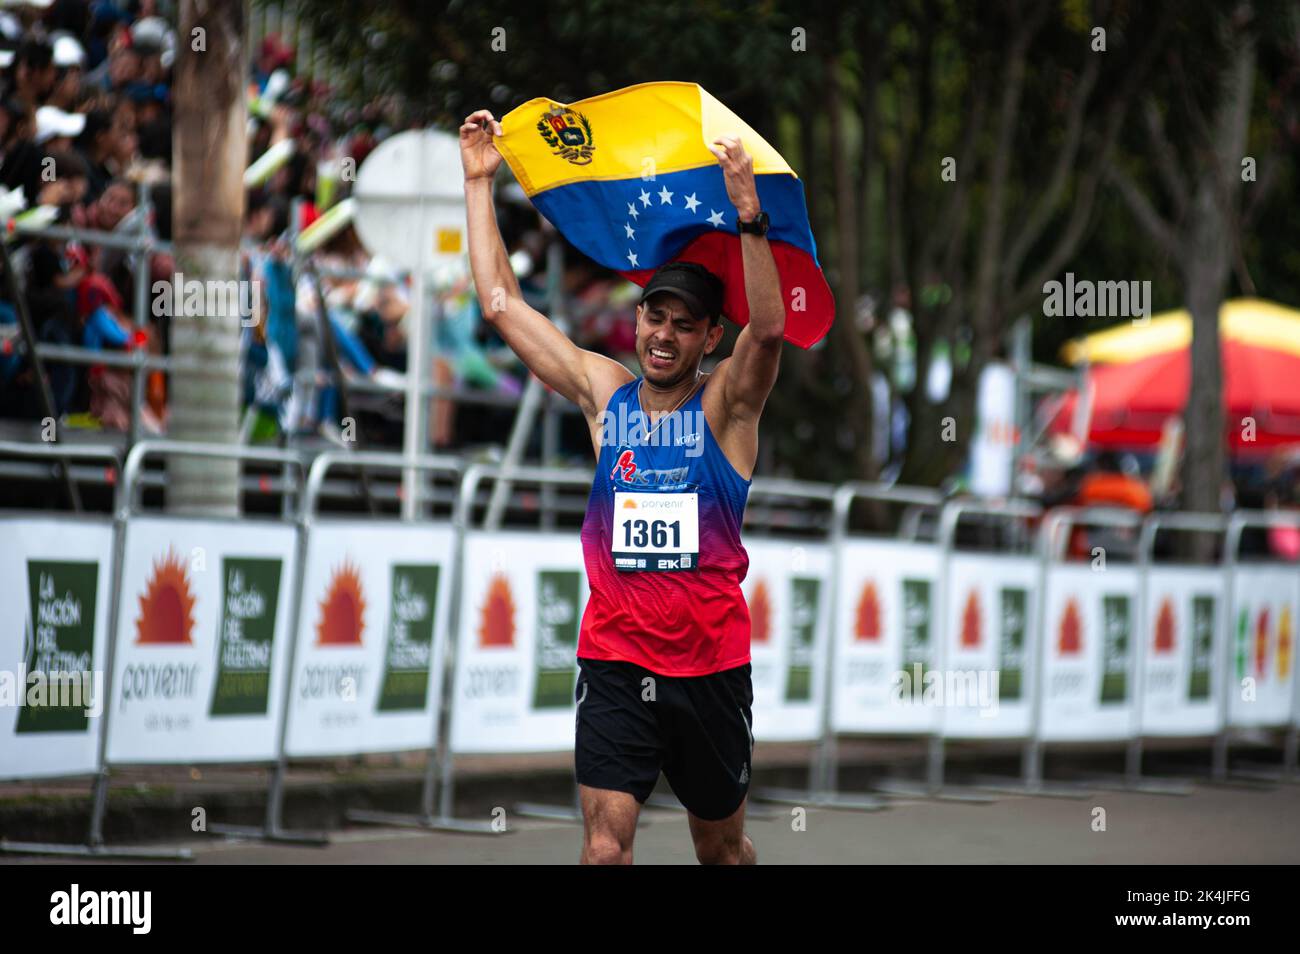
[68, 52]
[155, 32]
[10, 28]
[52, 121]
[26, 3]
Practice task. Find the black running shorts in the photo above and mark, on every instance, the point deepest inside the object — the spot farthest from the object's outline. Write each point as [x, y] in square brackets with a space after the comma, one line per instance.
[698, 730]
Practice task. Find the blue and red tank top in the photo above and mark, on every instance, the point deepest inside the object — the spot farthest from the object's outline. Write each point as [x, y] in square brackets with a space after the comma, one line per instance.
[690, 620]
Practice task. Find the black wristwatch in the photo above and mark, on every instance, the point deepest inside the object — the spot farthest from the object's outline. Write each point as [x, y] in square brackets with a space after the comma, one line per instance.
[757, 227]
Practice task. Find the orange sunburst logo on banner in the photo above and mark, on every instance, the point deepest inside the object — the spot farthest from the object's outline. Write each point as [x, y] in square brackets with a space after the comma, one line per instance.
[866, 627]
[1071, 640]
[1166, 628]
[1284, 639]
[1261, 642]
[342, 610]
[970, 622]
[760, 614]
[497, 619]
[166, 605]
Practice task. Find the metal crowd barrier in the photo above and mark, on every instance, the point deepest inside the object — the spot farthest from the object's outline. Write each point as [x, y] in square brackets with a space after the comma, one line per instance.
[127, 493]
[44, 452]
[272, 828]
[1202, 523]
[474, 476]
[824, 762]
[1237, 525]
[1053, 541]
[1011, 510]
[437, 801]
[130, 486]
[131, 482]
[59, 457]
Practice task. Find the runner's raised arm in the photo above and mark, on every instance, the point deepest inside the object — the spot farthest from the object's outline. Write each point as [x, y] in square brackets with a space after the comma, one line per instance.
[585, 378]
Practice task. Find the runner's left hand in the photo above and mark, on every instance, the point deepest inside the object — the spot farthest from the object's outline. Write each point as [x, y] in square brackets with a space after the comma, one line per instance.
[738, 173]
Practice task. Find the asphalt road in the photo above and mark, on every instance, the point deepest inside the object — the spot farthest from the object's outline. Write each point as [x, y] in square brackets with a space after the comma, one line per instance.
[1212, 825]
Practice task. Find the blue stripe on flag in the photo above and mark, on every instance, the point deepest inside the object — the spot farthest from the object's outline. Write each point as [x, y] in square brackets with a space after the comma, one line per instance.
[670, 211]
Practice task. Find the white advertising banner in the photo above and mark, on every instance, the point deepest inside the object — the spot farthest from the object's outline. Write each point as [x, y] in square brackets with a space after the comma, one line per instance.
[371, 635]
[788, 593]
[55, 579]
[522, 600]
[1266, 606]
[202, 641]
[883, 640]
[989, 609]
[1088, 665]
[1182, 651]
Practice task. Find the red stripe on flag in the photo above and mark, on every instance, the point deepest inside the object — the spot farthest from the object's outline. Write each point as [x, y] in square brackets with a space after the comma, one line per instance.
[809, 304]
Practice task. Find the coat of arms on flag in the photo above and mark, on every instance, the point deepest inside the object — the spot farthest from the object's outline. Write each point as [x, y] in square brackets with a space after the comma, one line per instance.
[568, 133]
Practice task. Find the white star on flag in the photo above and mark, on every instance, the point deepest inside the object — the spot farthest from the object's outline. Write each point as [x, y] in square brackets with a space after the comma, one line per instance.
[631, 257]
[645, 197]
[631, 210]
[665, 197]
[715, 219]
[691, 202]
[631, 232]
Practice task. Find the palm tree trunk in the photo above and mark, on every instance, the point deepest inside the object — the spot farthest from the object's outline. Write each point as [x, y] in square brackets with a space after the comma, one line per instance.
[209, 147]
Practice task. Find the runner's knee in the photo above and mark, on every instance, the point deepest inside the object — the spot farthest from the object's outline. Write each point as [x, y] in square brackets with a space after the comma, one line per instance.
[721, 850]
[605, 848]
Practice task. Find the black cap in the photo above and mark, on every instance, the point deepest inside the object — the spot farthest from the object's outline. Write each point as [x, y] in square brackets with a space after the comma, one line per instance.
[694, 284]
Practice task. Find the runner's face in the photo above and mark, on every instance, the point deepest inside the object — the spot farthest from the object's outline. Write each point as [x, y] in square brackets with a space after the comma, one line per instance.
[670, 341]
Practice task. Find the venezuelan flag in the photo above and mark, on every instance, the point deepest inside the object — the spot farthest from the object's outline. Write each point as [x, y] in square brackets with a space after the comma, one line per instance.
[628, 178]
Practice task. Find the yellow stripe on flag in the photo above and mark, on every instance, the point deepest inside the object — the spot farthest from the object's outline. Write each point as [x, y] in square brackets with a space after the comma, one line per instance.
[649, 129]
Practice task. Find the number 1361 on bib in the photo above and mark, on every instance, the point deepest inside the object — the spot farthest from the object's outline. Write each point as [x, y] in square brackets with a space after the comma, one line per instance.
[656, 532]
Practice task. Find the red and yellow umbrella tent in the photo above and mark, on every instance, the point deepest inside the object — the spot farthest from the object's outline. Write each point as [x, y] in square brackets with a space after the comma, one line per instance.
[1138, 377]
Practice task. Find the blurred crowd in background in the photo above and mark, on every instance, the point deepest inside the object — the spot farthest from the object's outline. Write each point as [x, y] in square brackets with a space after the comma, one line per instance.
[85, 130]
[85, 135]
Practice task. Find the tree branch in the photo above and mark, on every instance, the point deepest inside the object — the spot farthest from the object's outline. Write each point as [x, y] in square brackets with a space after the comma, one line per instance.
[991, 236]
[1062, 167]
[1160, 231]
[1166, 161]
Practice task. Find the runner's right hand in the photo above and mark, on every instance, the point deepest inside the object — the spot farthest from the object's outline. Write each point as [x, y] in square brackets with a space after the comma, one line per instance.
[477, 153]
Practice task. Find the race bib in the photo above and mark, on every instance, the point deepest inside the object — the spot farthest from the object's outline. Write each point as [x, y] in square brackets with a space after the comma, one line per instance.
[657, 532]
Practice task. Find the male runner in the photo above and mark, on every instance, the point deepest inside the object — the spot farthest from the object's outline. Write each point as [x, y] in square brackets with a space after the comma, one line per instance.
[663, 652]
